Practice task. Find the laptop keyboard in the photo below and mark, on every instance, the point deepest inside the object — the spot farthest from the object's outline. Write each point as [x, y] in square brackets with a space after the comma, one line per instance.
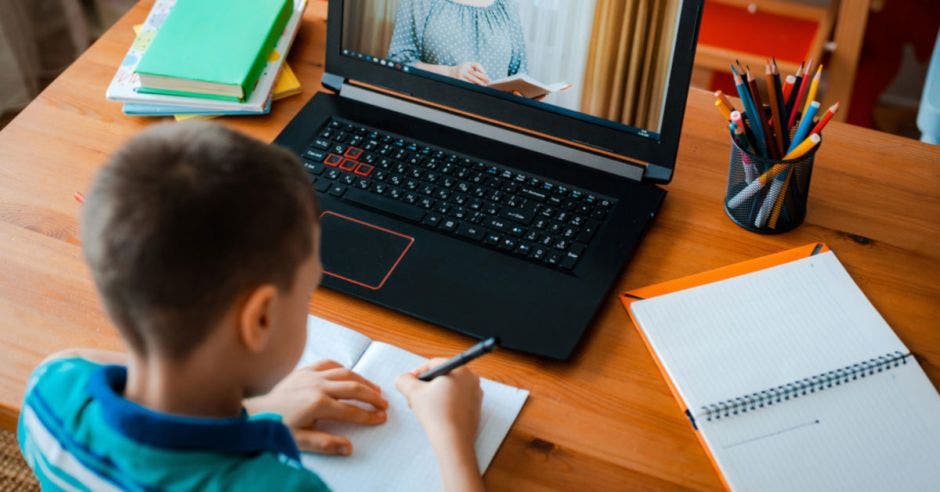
[544, 221]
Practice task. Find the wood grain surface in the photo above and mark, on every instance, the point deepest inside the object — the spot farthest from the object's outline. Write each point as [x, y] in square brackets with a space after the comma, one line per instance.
[604, 420]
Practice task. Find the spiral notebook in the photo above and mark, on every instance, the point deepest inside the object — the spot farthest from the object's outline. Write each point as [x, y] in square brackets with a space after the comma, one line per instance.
[395, 456]
[791, 378]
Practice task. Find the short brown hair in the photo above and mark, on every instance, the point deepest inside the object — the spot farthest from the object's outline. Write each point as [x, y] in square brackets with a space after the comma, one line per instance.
[185, 218]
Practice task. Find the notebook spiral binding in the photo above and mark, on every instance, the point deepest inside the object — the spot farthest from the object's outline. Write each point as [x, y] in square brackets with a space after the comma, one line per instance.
[796, 389]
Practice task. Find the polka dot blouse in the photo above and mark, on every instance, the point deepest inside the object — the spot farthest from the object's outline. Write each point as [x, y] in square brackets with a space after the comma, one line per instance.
[444, 32]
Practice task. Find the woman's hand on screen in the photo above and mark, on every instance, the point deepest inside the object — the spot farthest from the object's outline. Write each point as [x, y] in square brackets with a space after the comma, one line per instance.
[471, 72]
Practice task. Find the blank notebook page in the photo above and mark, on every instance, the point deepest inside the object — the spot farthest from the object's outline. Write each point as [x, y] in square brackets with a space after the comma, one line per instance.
[764, 329]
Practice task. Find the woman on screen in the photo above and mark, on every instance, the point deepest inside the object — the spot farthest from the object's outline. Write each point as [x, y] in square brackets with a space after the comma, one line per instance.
[477, 41]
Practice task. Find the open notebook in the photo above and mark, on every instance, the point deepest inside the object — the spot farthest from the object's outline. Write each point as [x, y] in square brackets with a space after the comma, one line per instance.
[397, 454]
[794, 381]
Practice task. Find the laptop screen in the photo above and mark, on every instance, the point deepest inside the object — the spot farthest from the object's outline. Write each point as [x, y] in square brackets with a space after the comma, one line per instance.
[606, 62]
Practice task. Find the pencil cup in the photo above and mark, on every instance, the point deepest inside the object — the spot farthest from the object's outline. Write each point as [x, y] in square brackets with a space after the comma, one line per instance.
[767, 196]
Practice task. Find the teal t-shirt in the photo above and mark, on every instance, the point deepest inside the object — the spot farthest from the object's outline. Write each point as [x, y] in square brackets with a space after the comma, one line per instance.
[77, 432]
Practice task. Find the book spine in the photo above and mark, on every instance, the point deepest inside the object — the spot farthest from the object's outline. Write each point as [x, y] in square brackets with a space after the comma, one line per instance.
[820, 382]
[261, 58]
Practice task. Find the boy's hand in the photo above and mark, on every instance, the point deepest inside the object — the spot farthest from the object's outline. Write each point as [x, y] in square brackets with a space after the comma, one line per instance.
[448, 407]
[313, 393]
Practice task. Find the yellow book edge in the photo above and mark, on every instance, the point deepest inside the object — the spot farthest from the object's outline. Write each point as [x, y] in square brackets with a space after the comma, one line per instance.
[695, 280]
[285, 85]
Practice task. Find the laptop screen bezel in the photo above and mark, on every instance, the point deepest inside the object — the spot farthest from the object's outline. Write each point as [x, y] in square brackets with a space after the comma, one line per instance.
[628, 145]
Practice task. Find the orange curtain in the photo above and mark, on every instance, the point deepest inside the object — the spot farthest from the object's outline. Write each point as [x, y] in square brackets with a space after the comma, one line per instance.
[629, 60]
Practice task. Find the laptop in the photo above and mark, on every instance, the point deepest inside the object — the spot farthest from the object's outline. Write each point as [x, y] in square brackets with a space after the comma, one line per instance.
[491, 167]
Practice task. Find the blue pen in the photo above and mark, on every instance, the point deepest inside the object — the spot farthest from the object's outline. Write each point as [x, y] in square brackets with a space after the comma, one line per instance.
[751, 111]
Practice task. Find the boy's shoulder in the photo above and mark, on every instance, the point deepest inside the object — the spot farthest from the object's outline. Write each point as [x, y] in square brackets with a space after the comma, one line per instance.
[77, 431]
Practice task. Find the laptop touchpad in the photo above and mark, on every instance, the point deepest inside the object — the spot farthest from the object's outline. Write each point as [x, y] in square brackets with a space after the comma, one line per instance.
[359, 252]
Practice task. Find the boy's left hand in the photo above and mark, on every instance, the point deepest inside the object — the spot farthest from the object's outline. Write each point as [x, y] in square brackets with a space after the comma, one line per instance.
[314, 393]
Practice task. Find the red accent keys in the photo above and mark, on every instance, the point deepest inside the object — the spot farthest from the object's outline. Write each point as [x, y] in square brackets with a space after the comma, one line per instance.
[348, 165]
[333, 160]
[364, 169]
[353, 153]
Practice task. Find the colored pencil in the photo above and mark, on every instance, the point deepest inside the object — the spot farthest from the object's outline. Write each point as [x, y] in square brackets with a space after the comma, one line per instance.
[739, 136]
[804, 87]
[751, 112]
[758, 104]
[787, 87]
[724, 100]
[825, 118]
[778, 203]
[805, 123]
[722, 110]
[791, 99]
[813, 87]
[774, 93]
[738, 120]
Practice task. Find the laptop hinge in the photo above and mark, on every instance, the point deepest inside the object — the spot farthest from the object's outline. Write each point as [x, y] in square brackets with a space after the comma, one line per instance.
[332, 81]
[657, 174]
[385, 101]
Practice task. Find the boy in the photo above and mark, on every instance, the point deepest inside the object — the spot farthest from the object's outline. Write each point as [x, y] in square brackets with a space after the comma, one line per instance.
[203, 244]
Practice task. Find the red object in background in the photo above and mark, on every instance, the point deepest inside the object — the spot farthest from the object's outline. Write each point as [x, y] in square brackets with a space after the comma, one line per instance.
[761, 33]
[897, 24]
[723, 82]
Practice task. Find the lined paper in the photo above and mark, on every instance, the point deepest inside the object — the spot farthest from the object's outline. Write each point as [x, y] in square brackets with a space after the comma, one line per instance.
[397, 454]
[769, 328]
[326, 340]
[764, 329]
[879, 433]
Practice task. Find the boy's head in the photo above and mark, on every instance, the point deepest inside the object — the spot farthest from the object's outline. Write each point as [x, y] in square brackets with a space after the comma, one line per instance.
[192, 226]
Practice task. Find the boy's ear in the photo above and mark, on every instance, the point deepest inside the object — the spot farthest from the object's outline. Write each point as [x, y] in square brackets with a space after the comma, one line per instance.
[257, 318]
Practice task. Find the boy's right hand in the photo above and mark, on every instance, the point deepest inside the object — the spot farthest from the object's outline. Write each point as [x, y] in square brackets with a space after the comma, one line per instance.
[448, 407]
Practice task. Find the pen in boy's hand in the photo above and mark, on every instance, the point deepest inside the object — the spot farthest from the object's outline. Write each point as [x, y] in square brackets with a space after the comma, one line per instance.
[468, 355]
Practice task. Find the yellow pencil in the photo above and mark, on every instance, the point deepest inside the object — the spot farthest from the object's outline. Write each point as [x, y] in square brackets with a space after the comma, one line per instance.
[778, 203]
[804, 147]
[724, 101]
[723, 110]
[813, 88]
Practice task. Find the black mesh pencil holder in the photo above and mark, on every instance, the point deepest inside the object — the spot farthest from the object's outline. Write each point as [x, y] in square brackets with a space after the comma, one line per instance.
[767, 196]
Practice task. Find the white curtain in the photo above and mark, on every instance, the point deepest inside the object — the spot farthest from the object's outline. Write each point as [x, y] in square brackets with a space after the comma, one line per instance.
[558, 33]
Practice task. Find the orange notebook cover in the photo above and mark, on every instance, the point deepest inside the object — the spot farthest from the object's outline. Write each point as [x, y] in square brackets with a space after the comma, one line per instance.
[745, 267]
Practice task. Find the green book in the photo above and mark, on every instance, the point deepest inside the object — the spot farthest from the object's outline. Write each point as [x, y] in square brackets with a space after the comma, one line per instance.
[213, 48]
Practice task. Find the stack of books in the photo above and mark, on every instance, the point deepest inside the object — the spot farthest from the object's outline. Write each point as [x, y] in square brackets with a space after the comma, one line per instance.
[201, 58]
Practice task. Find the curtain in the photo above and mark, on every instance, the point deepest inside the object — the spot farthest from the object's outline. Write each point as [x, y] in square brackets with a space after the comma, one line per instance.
[629, 61]
[369, 26]
[38, 39]
[557, 34]
[19, 65]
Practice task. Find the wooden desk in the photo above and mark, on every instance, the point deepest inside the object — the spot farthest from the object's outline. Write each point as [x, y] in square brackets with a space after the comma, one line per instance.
[603, 420]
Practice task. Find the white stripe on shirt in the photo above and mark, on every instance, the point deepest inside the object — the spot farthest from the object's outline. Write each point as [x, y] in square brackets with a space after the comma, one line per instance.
[52, 451]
